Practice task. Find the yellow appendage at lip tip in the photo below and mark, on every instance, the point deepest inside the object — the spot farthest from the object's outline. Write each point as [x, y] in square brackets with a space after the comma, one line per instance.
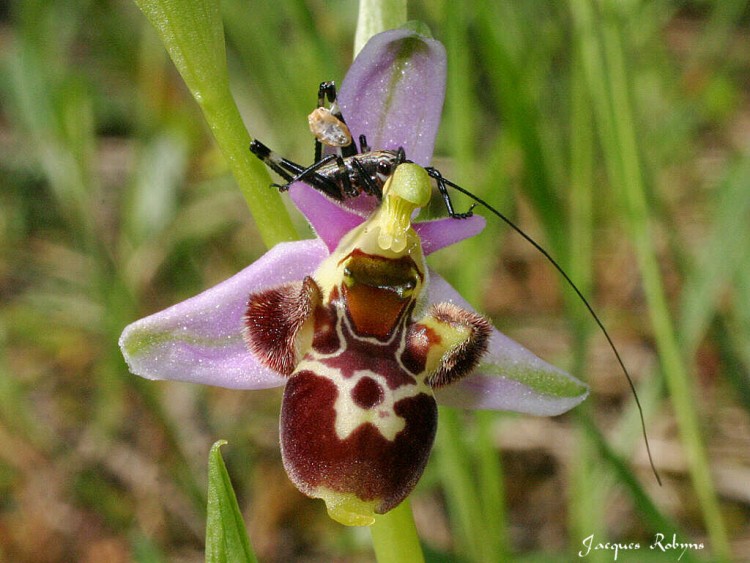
[347, 508]
[406, 190]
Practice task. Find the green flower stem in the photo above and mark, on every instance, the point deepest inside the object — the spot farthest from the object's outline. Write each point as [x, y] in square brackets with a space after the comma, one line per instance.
[193, 34]
[376, 16]
[265, 204]
[394, 536]
[605, 67]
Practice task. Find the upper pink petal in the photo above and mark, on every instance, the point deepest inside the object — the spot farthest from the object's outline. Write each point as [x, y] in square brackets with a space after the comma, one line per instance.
[331, 222]
[444, 232]
[394, 91]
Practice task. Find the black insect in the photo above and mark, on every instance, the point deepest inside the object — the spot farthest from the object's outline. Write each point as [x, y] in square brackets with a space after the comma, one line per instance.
[351, 171]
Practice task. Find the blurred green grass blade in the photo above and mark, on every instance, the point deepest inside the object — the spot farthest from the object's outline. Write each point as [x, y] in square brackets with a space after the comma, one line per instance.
[461, 125]
[145, 551]
[56, 114]
[718, 34]
[733, 345]
[724, 253]
[491, 484]
[584, 502]
[734, 329]
[511, 87]
[279, 81]
[468, 459]
[226, 536]
[603, 55]
[161, 170]
[16, 411]
[643, 502]
[471, 476]
[461, 494]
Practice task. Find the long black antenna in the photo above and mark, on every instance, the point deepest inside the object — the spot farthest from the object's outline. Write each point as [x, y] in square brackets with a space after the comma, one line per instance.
[580, 295]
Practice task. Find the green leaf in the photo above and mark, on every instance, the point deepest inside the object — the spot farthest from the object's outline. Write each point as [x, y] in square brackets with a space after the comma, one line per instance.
[226, 537]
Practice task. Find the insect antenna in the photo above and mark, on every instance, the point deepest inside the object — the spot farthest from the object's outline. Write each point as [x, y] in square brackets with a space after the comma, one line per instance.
[439, 179]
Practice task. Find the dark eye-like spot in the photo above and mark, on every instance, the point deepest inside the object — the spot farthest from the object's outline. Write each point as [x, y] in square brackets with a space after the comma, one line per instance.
[367, 393]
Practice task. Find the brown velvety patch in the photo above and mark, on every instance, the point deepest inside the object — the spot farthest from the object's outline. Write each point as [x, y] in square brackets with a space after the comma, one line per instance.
[462, 359]
[367, 393]
[273, 319]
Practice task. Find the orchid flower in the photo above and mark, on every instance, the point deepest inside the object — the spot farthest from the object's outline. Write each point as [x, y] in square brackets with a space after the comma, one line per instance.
[363, 335]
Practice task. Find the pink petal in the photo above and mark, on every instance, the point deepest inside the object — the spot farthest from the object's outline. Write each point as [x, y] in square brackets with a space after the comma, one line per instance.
[200, 340]
[444, 232]
[329, 220]
[393, 93]
[509, 376]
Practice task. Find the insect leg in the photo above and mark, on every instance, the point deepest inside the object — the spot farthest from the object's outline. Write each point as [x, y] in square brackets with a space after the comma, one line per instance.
[369, 187]
[292, 172]
[283, 167]
[323, 184]
[326, 89]
[442, 184]
[363, 146]
[318, 150]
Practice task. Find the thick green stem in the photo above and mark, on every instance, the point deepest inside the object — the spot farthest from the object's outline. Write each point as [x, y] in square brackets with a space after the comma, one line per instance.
[376, 16]
[394, 536]
[265, 204]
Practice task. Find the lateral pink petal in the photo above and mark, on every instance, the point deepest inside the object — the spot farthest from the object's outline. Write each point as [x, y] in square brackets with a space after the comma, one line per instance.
[447, 231]
[200, 340]
[329, 220]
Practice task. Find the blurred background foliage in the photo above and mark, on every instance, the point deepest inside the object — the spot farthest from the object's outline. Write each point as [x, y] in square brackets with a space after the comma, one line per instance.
[616, 133]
